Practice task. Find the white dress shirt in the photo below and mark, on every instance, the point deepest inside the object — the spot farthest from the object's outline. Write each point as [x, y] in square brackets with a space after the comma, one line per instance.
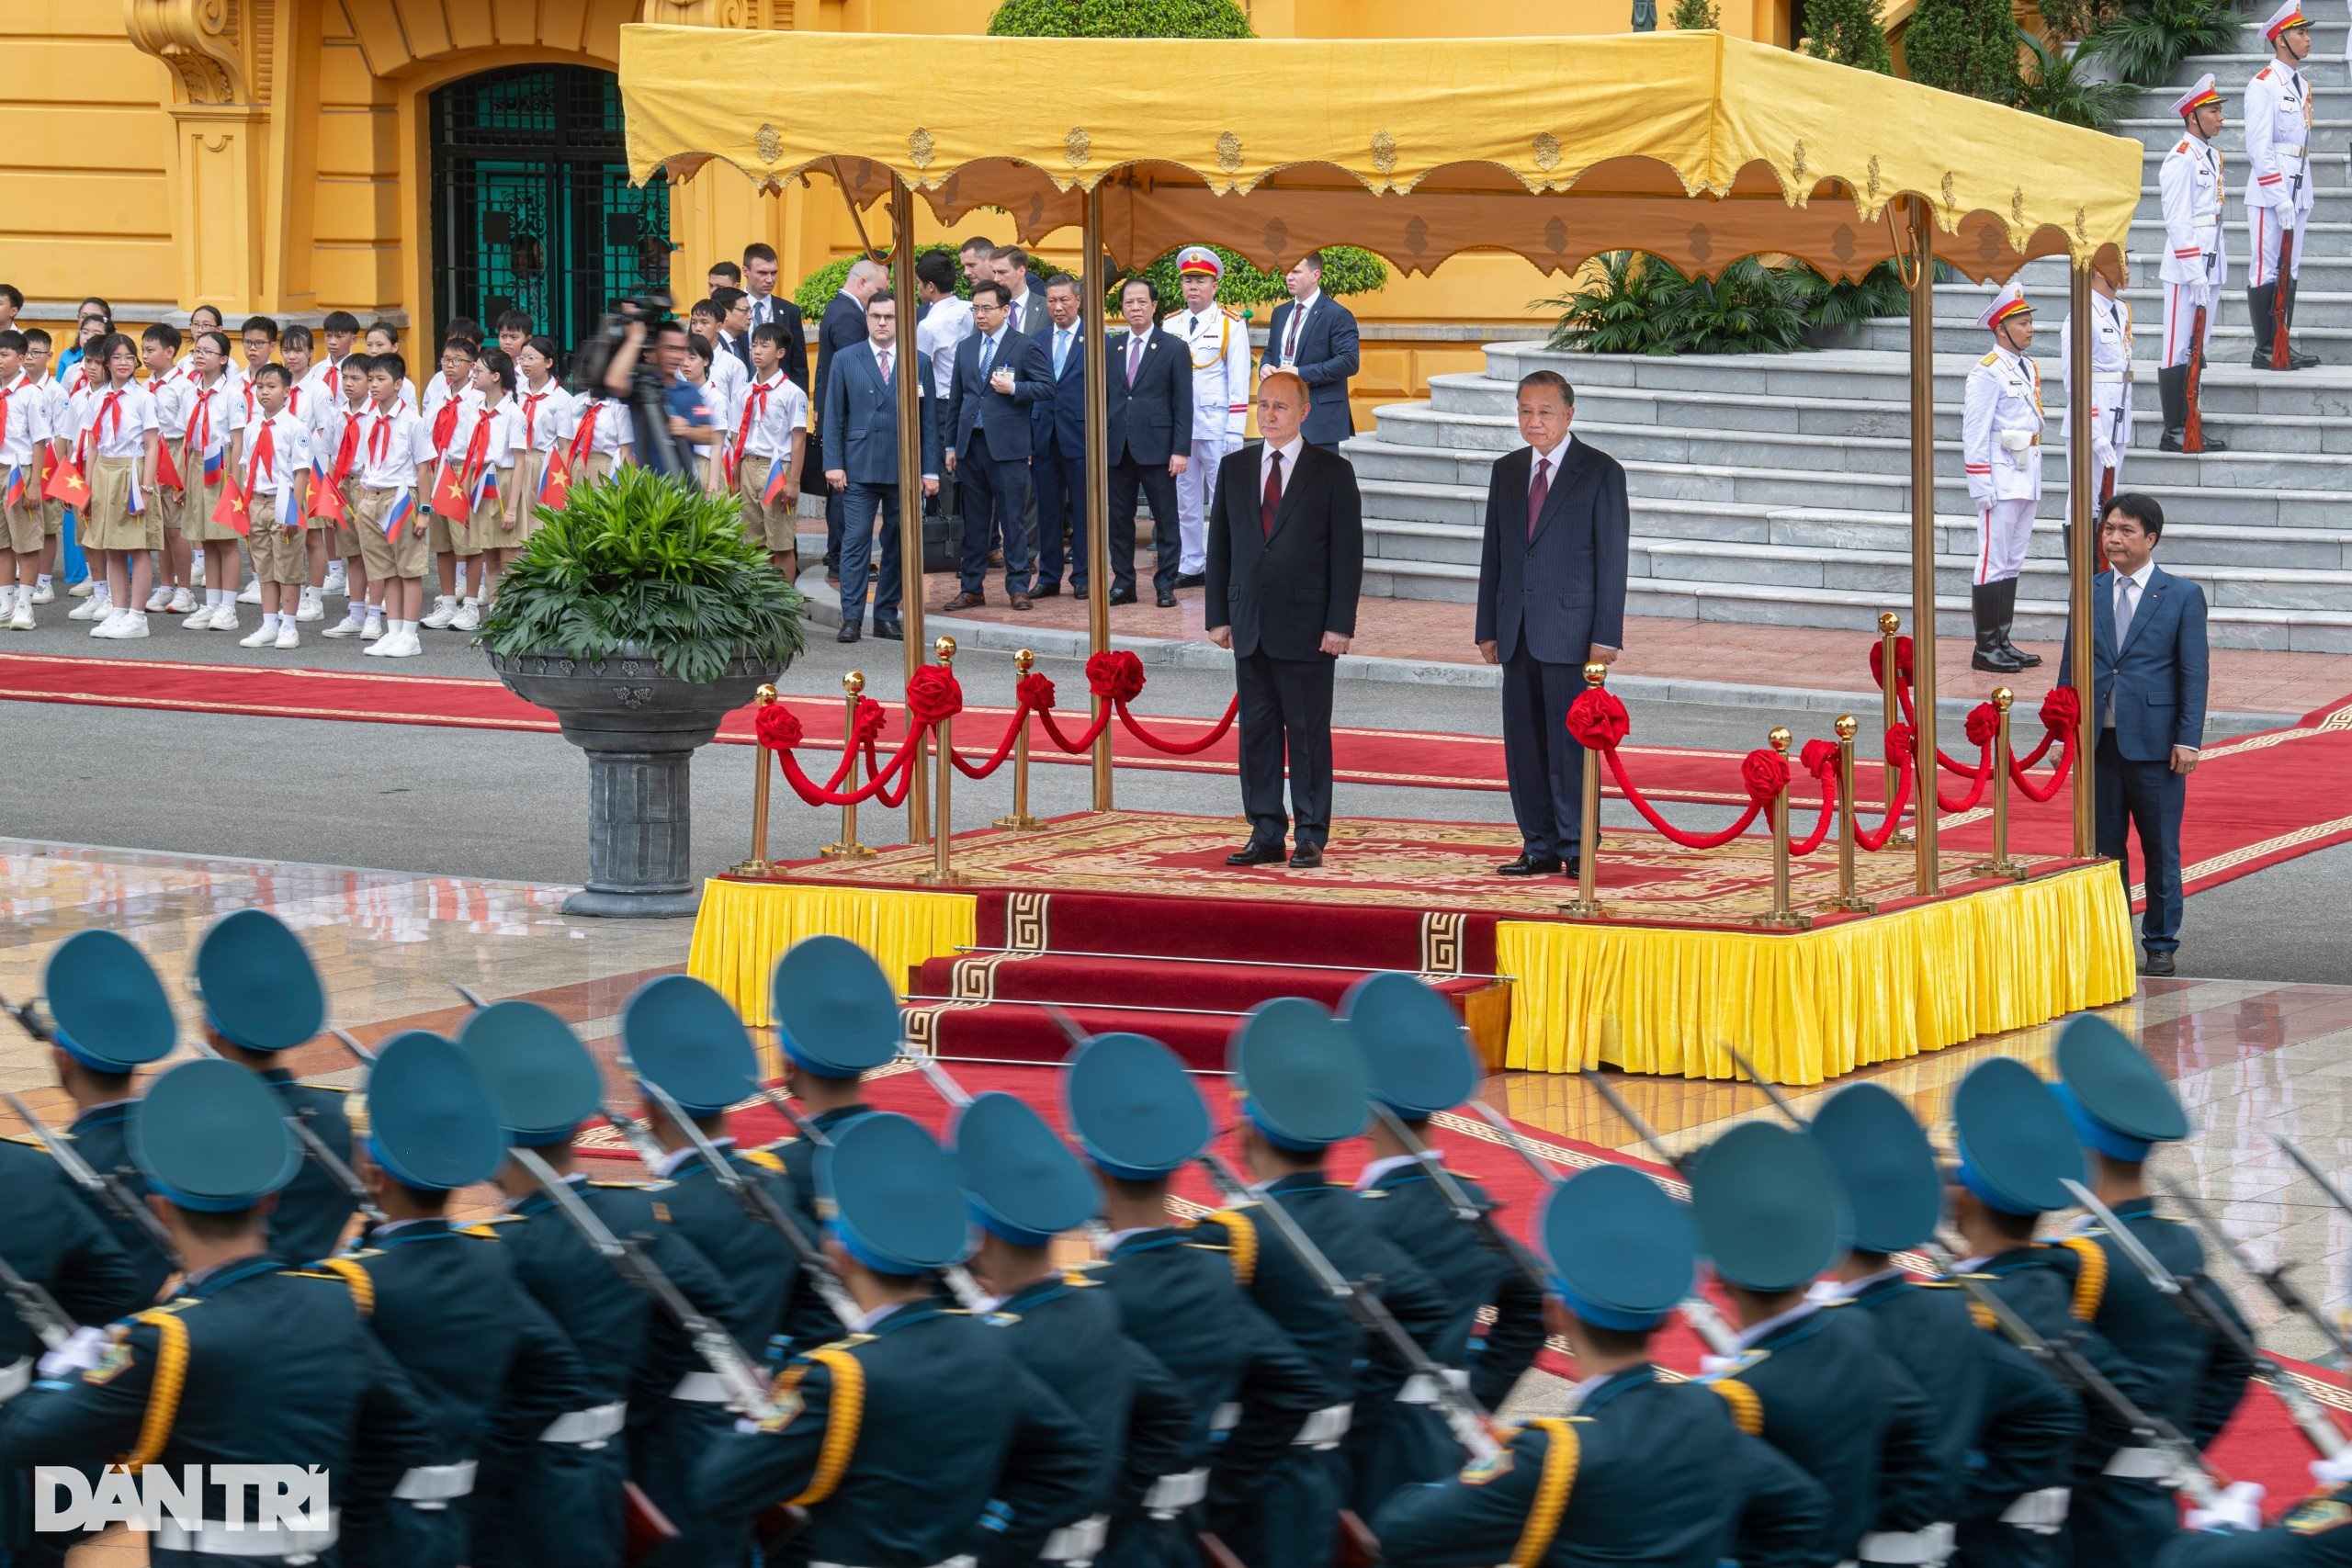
[1294, 327]
[947, 323]
[1289, 454]
[2136, 586]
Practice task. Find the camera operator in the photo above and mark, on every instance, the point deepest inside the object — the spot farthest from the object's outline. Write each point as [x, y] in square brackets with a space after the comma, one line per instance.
[616, 363]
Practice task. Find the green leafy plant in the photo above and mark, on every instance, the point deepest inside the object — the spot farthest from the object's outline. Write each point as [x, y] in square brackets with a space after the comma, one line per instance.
[2056, 89]
[1965, 46]
[1846, 32]
[2070, 20]
[817, 290]
[1120, 18]
[1642, 305]
[2151, 38]
[1696, 16]
[1346, 270]
[638, 559]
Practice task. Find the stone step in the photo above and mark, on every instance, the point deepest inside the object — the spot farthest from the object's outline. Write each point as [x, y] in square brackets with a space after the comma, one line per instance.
[2324, 329]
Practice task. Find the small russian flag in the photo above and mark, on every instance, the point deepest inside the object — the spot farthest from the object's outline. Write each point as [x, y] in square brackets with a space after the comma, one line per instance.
[288, 515]
[774, 485]
[485, 488]
[16, 492]
[403, 506]
[137, 507]
[211, 467]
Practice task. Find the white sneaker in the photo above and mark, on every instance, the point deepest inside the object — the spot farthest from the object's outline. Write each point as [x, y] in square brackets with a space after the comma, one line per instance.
[382, 645]
[46, 593]
[444, 611]
[311, 610]
[374, 628]
[350, 626]
[287, 636]
[224, 618]
[403, 644]
[129, 625]
[251, 594]
[159, 599]
[90, 609]
[335, 582]
[81, 589]
[195, 570]
[468, 617]
[200, 619]
[183, 601]
[266, 638]
[21, 620]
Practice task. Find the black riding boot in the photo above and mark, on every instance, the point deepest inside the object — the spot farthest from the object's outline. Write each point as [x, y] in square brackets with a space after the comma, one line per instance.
[2171, 390]
[2259, 305]
[2007, 588]
[1983, 600]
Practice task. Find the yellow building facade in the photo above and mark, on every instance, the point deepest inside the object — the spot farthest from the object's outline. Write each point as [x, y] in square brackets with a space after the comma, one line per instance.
[418, 159]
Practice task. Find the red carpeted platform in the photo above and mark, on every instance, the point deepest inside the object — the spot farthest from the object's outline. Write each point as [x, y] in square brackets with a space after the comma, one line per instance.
[2261, 1443]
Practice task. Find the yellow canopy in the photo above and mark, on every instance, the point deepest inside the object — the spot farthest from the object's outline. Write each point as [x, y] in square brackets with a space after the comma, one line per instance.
[1693, 146]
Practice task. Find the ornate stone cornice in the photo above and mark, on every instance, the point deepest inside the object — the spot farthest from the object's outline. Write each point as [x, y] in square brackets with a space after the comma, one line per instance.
[203, 41]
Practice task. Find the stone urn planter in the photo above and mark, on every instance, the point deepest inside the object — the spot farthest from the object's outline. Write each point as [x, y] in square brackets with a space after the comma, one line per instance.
[640, 728]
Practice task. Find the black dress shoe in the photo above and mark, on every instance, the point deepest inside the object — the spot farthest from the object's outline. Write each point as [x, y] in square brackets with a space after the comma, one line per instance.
[1021, 604]
[1255, 853]
[2299, 360]
[1192, 580]
[1528, 865]
[1122, 596]
[890, 630]
[1168, 601]
[2158, 963]
[966, 601]
[848, 634]
[1306, 857]
[1045, 591]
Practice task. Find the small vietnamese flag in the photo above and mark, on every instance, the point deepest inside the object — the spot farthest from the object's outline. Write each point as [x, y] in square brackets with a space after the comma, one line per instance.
[230, 511]
[555, 481]
[327, 496]
[66, 484]
[403, 507]
[167, 473]
[774, 485]
[448, 496]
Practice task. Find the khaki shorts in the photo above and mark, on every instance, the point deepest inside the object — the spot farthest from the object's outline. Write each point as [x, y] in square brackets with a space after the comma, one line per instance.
[52, 518]
[167, 504]
[106, 523]
[528, 466]
[774, 527]
[21, 527]
[345, 540]
[196, 523]
[401, 556]
[281, 558]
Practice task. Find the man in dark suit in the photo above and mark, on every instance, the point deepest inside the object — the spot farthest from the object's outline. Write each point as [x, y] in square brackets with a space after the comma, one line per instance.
[760, 267]
[1148, 426]
[860, 431]
[1025, 291]
[2147, 707]
[1285, 560]
[999, 373]
[1551, 596]
[1314, 335]
[1057, 429]
[735, 324]
[841, 326]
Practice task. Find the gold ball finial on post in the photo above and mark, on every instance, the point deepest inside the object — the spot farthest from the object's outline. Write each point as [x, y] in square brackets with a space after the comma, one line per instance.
[2003, 697]
[1889, 623]
[944, 650]
[1847, 727]
[854, 683]
[1022, 661]
[766, 695]
[1596, 673]
[1781, 737]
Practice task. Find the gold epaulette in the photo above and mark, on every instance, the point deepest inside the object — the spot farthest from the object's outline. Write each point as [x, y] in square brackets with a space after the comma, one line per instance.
[164, 1393]
[1992, 358]
[1746, 1405]
[2090, 1277]
[1236, 311]
[633, 1186]
[1241, 1236]
[30, 1143]
[348, 1270]
[765, 1160]
[1560, 1456]
[487, 1229]
[844, 1416]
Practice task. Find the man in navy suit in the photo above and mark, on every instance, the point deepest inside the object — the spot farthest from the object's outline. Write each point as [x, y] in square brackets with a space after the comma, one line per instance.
[2147, 707]
[1057, 429]
[841, 326]
[1312, 334]
[1550, 597]
[860, 431]
[1148, 409]
[999, 373]
[1285, 561]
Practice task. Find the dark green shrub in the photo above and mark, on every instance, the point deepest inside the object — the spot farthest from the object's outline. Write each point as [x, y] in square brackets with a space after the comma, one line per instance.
[1965, 46]
[1120, 18]
[1847, 33]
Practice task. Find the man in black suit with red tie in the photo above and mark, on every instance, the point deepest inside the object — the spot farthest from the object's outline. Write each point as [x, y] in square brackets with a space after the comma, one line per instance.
[1285, 561]
[1550, 597]
[1149, 425]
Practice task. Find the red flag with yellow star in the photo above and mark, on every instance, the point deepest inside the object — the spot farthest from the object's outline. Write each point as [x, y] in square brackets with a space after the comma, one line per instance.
[66, 484]
[231, 510]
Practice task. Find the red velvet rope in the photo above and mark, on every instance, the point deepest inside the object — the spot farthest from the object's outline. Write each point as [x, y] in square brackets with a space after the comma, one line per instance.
[1900, 745]
[778, 730]
[996, 759]
[1185, 748]
[1819, 758]
[873, 788]
[2061, 715]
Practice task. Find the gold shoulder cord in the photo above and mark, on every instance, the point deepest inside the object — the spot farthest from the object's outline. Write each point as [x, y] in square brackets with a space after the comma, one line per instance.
[1560, 1456]
[164, 1394]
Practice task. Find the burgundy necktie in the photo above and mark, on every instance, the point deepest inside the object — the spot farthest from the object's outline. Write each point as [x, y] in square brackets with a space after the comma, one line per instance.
[1134, 358]
[1273, 503]
[886, 367]
[1536, 492]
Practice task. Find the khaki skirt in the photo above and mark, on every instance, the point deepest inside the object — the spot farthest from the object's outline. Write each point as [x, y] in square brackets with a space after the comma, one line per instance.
[106, 523]
[196, 513]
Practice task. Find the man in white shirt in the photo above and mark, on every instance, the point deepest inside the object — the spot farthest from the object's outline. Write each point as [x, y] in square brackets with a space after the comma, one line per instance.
[947, 320]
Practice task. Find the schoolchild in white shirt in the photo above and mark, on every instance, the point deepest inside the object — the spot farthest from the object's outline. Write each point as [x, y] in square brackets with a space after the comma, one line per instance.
[276, 481]
[338, 444]
[447, 399]
[488, 437]
[116, 447]
[24, 433]
[388, 510]
[54, 402]
[770, 438]
[208, 456]
[168, 383]
[546, 423]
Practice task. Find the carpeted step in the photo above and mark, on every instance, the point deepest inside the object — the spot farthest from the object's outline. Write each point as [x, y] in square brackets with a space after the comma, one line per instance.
[1012, 1032]
[1213, 987]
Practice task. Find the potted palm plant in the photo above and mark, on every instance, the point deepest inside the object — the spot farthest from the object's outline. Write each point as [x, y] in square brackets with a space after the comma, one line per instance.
[641, 616]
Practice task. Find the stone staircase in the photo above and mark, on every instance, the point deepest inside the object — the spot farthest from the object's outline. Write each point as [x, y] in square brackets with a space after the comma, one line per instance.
[1776, 488]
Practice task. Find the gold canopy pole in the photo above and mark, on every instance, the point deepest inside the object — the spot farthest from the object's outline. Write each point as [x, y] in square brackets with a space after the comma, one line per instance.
[909, 389]
[2082, 558]
[1923, 533]
[1093, 273]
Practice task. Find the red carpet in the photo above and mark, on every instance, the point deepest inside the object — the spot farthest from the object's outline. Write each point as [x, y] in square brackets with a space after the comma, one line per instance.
[2261, 1444]
[2253, 803]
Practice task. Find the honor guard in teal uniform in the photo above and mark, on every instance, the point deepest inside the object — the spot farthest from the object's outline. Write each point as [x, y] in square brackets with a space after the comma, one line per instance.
[1422, 1062]
[247, 1362]
[684, 1040]
[2313, 1534]
[1637, 1472]
[2007, 1429]
[1139, 1120]
[1809, 1376]
[1301, 1079]
[562, 1506]
[2121, 1108]
[1025, 1188]
[445, 1303]
[262, 996]
[836, 1019]
[920, 1439]
[2017, 1151]
[110, 1018]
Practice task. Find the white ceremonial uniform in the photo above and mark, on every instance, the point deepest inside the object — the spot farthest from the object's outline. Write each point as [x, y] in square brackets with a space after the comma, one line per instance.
[1219, 340]
[2196, 263]
[2279, 192]
[2110, 388]
[2000, 443]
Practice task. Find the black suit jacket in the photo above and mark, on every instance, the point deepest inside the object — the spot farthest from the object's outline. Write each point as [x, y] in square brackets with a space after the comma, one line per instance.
[1328, 355]
[1564, 590]
[1151, 421]
[1281, 593]
[795, 340]
[842, 324]
[972, 402]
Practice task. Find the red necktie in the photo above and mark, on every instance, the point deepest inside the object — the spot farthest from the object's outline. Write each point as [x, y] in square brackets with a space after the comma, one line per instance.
[445, 425]
[1537, 491]
[531, 401]
[380, 438]
[345, 450]
[477, 448]
[334, 379]
[257, 472]
[199, 430]
[1274, 501]
[5, 393]
[584, 440]
[111, 406]
[755, 409]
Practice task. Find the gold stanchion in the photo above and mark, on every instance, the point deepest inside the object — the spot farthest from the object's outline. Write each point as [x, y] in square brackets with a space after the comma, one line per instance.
[853, 688]
[2001, 864]
[761, 766]
[943, 874]
[1585, 906]
[1890, 708]
[1022, 663]
[1782, 918]
[1847, 726]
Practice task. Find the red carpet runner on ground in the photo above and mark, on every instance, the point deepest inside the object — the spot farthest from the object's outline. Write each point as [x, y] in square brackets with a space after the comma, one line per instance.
[2261, 1444]
[2254, 802]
